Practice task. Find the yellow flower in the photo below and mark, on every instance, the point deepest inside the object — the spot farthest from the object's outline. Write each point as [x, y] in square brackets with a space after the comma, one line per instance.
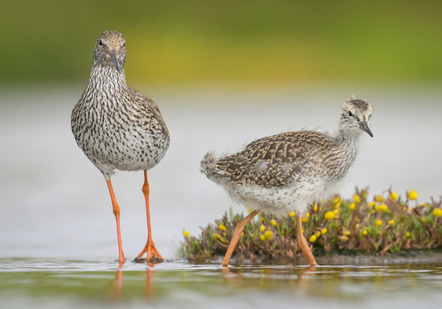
[352, 206]
[268, 234]
[412, 195]
[407, 235]
[336, 211]
[337, 200]
[378, 222]
[379, 198]
[437, 212]
[391, 222]
[262, 238]
[317, 234]
[356, 198]
[292, 214]
[329, 215]
[382, 207]
[323, 231]
[186, 234]
[305, 219]
[315, 208]
[220, 238]
[312, 238]
[372, 204]
[365, 232]
[273, 222]
[393, 196]
[346, 232]
[302, 231]
[343, 238]
[222, 227]
[262, 228]
[423, 220]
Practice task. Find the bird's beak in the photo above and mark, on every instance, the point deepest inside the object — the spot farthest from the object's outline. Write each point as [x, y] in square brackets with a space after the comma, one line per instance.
[114, 59]
[364, 126]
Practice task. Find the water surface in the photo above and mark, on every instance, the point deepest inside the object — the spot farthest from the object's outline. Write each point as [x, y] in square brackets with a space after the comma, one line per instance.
[46, 283]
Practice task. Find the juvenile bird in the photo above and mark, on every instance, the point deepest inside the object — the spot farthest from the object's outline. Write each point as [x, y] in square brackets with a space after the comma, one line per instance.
[119, 128]
[289, 171]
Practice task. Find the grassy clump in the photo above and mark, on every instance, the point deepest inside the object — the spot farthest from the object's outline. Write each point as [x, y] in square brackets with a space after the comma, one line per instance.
[377, 225]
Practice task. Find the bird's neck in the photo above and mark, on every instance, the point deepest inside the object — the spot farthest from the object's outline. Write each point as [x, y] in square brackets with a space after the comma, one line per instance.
[348, 135]
[107, 79]
[348, 140]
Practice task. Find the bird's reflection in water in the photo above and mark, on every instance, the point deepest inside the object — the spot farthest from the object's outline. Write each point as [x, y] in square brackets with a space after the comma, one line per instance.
[115, 288]
[234, 276]
[117, 284]
[149, 287]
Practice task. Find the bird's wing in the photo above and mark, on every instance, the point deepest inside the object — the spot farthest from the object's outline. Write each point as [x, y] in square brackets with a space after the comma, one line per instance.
[273, 161]
[144, 101]
[148, 112]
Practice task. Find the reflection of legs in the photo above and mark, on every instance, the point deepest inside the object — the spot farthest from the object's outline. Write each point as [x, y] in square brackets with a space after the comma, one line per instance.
[152, 252]
[149, 288]
[237, 235]
[302, 243]
[117, 218]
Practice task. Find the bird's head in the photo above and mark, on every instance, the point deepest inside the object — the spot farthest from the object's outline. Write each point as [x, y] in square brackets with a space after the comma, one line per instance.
[356, 114]
[110, 50]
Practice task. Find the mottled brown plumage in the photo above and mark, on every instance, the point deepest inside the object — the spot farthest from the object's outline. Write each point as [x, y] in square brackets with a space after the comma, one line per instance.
[289, 171]
[117, 127]
[273, 161]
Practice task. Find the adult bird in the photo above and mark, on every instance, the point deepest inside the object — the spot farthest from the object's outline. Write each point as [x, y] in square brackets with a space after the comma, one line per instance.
[119, 128]
[289, 171]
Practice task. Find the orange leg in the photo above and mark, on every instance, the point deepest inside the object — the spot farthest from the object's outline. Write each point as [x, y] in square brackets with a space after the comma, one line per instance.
[236, 236]
[302, 243]
[152, 253]
[117, 218]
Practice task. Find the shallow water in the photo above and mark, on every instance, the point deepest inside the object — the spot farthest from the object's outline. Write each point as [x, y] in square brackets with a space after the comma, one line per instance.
[57, 226]
[46, 283]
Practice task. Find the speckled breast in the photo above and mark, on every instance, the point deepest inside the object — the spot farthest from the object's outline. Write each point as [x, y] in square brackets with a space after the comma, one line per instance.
[113, 139]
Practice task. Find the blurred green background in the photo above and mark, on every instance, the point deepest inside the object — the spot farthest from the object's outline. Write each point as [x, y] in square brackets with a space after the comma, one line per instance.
[254, 42]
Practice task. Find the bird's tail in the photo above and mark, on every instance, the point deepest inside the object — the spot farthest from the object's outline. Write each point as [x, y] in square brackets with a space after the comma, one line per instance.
[208, 163]
[209, 166]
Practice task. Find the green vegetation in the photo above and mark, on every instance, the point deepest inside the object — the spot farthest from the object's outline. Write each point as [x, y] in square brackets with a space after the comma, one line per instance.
[234, 41]
[386, 223]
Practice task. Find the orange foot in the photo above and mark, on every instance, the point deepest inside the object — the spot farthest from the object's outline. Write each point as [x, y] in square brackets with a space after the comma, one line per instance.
[153, 256]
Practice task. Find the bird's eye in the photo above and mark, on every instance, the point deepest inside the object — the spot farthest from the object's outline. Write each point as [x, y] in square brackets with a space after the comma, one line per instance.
[100, 42]
[350, 114]
[124, 44]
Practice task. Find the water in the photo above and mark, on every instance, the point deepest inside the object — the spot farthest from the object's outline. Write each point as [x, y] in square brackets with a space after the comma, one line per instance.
[58, 231]
[46, 283]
